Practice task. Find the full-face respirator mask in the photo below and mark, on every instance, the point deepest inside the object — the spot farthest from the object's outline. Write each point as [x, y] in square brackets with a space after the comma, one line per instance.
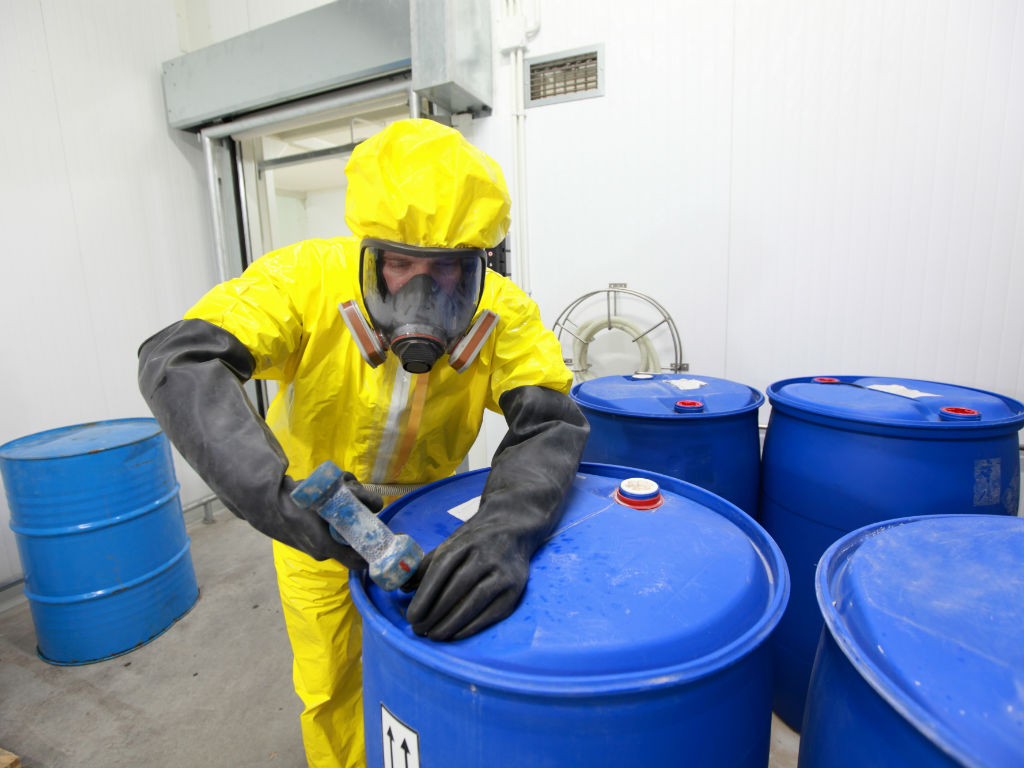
[421, 303]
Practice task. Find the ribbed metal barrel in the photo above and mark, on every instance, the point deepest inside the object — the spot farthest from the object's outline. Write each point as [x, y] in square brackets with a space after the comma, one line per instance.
[697, 428]
[921, 662]
[101, 537]
[640, 638]
[844, 452]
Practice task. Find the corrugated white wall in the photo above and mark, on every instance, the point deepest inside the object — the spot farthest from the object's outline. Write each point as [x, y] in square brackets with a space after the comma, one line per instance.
[877, 207]
[103, 208]
[808, 187]
[826, 187]
[101, 211]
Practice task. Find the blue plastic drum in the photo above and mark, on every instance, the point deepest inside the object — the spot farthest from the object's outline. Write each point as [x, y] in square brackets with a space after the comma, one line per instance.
[640, 639]
[922, 659]
[697, 428]
[844, 452]
[101, 537]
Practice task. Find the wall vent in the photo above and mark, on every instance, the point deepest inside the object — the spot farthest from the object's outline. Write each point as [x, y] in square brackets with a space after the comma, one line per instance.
[565, 76]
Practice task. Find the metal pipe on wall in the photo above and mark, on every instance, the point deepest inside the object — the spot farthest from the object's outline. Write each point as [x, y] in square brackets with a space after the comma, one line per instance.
[519, 143]
[258, 122]
[517, 30]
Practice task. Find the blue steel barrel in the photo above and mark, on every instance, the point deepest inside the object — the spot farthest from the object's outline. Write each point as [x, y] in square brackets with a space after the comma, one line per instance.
[697, 428]
[921, 662]
[844, 452]
[101, 537]
[640, 638]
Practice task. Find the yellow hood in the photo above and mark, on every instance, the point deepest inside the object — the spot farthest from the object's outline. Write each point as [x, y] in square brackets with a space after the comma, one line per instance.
[421, 183]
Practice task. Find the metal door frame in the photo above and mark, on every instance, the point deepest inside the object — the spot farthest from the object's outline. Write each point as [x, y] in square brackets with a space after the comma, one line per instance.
[229, 210]
[237, 234]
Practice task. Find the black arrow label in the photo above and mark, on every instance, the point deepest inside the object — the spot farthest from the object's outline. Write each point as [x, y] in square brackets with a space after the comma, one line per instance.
[397, 736]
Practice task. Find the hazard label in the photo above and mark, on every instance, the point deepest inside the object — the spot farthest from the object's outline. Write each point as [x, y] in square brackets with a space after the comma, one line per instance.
[401, 743]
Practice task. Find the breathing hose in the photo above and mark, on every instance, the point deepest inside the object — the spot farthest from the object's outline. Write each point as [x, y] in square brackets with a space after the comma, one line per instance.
[588, 331]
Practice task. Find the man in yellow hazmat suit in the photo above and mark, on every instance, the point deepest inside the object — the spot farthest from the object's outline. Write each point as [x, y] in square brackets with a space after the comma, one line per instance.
[387, 347]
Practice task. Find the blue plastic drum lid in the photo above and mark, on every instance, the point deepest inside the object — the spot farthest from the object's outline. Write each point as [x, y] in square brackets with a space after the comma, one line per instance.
[619, 599]
[655, 396]
[897, 403]
[930, 612]
[79, 439]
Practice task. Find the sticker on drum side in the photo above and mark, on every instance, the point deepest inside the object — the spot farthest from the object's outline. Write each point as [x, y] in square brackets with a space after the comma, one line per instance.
[987, 481]
[401, 743]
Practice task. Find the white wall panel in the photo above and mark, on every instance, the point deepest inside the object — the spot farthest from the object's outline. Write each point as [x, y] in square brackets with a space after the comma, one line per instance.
[877, 196]
[140, 208]
[34, 171]
[633, 186]
[103, 212]
[48, 377]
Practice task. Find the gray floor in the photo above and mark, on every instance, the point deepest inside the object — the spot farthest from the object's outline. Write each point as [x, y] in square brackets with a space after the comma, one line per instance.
[213, 691]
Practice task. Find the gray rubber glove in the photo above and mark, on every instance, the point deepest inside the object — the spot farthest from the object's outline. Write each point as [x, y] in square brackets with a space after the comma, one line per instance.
[191, 376]
[477, 575]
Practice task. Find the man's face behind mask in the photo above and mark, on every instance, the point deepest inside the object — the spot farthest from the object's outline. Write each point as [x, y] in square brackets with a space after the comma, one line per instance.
[421, 300]
[398, 269]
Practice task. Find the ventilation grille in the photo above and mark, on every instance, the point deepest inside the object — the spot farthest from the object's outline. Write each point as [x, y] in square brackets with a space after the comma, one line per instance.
[565, 76]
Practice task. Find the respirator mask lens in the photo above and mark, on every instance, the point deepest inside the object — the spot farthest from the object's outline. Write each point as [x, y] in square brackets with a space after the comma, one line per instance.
[421, 300]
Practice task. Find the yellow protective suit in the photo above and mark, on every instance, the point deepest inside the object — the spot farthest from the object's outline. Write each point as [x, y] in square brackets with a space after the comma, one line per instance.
[423, 184]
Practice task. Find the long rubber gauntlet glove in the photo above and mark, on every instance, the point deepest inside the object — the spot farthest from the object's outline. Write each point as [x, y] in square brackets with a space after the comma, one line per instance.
[477, 575]
[191, 375]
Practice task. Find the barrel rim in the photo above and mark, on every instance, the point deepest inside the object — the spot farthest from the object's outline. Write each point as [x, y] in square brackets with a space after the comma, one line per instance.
[932, 728]
[588, 685]
[778, 398]
[7, 453]
[675, 416]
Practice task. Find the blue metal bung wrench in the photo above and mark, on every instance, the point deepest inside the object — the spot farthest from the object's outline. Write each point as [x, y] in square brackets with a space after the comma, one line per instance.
[392, 557]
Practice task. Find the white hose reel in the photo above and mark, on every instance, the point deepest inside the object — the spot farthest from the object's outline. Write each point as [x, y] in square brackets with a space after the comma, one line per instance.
[585, 332]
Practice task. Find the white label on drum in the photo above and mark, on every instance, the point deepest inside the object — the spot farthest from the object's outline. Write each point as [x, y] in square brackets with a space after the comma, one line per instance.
[987, 481]
[466, 509]
[899, 389]
[401, 743]
[687, 384]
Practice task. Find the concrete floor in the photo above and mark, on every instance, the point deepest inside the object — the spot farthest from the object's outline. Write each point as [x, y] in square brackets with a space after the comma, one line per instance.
[214, 690]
